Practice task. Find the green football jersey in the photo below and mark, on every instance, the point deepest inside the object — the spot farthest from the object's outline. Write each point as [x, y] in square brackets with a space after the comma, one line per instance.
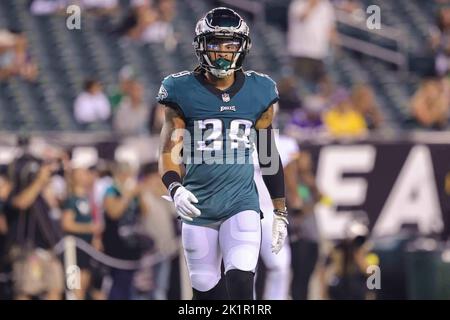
[218, 140]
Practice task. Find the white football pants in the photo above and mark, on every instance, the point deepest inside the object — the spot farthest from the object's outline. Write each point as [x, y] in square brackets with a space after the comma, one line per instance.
[237, 240]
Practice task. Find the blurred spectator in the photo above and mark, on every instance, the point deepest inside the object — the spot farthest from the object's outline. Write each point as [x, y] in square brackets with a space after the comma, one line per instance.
[363, 99]
[133, 112]
[324, 93]
[3, 231]
[159, 223]
[128, 27]
[140, 3]
[5, 189]
[343, 120]
[352, 7]
[33, 230]
[15, 59]
[103, 180]
[7, 53]
[99, 180]
[92, 105]
[161, 30]
[167, 10]
[25, 66]
[431, 102]
[156, 119]
[303, 232]
[308, 120]
[100, 7]
[77, 220]
[289, 96]
[440, 41]
[121, 239]
[311, 28]
[7, 38]
[343, 272]
[146, 23]
[127, 75]
[45, 7]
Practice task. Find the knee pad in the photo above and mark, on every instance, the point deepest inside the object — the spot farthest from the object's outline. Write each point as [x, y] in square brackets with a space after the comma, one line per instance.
[241, 240]
[240, 284]
[242, 257]
[204, 280]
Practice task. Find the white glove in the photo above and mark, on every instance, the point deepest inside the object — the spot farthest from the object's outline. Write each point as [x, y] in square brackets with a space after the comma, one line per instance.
[279, 232]
[183, 200]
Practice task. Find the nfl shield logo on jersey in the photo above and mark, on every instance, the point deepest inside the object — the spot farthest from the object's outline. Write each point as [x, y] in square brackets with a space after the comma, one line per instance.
[225, 97]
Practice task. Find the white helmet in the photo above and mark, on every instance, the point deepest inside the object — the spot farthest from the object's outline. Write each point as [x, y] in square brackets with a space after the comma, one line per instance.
[221, 24]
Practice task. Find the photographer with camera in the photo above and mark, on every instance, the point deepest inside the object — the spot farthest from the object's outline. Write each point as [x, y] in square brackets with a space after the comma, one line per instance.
[122, 237]
[32, 230]
[343, 272]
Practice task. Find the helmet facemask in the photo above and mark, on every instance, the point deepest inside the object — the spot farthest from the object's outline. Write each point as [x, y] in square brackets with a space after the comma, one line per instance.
[221, 55]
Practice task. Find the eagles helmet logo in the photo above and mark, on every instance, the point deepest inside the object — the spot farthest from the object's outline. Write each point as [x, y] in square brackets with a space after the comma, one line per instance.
[162, 94]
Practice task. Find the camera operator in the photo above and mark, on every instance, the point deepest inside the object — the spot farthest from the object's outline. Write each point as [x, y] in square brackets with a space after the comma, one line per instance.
[32, 232]
[343, 273]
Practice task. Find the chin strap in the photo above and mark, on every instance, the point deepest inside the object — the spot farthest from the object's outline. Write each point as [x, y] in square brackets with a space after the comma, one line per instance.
[221, 73]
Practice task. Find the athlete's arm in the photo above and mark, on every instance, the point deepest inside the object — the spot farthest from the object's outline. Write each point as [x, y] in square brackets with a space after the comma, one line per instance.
[171, 142]
[273, 182]
[170, 164]
[265, 120]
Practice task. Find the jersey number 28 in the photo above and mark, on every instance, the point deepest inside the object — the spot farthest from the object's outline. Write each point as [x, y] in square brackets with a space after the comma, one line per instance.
[238, 133]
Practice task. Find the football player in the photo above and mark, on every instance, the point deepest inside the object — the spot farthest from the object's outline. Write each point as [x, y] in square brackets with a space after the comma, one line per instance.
[278, 266]
[215, 115]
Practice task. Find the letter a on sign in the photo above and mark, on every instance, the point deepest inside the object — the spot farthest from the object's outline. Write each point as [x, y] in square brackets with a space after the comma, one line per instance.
[414, 197]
